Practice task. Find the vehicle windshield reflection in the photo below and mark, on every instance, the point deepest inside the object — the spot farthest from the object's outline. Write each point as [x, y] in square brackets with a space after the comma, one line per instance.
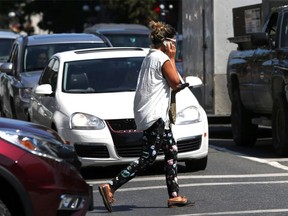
[34, 55]
[101, 75]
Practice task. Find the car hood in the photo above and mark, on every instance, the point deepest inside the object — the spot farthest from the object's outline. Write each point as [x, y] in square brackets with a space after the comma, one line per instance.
[117, 105]
[30, 79]
[63, 151]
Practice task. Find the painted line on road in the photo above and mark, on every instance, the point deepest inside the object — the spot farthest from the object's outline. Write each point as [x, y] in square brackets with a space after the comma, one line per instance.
[144, 179]
[237, 212]
[201, 185]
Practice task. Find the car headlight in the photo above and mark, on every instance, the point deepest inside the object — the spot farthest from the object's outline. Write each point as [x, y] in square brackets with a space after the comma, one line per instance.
[25, 94]
[37, 145]
[188, 115]
[83, 121]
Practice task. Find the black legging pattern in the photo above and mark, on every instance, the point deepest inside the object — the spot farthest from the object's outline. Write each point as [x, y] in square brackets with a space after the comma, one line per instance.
[153, 139]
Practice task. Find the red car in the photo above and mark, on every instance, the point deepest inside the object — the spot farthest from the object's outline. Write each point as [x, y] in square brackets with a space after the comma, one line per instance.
[39, 174]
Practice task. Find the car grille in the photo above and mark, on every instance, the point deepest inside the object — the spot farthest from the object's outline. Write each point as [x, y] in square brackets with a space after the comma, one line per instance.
[127, 142]
[91, 150]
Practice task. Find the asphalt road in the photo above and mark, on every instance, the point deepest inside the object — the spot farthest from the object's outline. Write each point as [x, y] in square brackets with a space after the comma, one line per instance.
[237, 181]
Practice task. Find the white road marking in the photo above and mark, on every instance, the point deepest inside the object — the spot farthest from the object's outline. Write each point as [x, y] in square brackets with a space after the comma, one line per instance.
[271, 162]
[262, 211]
[160, 178]
[201, 185]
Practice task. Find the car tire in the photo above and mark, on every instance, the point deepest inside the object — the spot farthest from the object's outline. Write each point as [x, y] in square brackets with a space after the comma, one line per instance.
[4, 210]
[244, 132]
[196, 165]
[280, 125]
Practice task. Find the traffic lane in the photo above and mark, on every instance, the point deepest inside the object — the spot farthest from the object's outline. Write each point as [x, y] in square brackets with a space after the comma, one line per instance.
[263, 150]
[230, 185]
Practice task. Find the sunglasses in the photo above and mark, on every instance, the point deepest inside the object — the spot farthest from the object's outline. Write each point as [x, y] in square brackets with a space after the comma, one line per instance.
[171, 39]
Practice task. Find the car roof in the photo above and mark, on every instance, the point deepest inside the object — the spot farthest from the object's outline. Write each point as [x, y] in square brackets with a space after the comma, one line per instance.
[8, 34]
[107, 52]
[63, 38]
[106, 28]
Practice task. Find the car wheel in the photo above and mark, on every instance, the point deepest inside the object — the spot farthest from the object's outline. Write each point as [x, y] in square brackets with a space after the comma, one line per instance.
[196, 165]
[4, 210]
[280, 125]
[244, 132]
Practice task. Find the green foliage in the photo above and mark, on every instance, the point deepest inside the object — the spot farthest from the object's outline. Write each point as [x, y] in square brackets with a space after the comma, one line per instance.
[70, 16]
[131, 11]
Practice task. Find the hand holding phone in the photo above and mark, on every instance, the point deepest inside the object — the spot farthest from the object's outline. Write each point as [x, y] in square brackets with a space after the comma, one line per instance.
[166, 43]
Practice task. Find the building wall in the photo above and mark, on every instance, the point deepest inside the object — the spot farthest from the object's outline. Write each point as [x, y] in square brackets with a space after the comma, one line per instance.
[223, 28]
[206, 26]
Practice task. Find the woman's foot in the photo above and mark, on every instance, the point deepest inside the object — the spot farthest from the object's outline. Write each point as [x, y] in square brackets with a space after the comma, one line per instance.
[107, 196]
[179, 201]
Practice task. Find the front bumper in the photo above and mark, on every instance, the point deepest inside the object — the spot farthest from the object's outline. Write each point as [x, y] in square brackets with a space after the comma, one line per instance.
[121, 146]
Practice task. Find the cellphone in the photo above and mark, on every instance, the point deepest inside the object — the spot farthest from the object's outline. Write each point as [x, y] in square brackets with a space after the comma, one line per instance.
[166, 43]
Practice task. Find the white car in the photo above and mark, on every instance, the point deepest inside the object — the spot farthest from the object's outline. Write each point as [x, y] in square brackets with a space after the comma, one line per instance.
[87, 97]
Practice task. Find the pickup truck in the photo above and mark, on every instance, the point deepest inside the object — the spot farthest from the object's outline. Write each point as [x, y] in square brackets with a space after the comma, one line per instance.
[257, 81]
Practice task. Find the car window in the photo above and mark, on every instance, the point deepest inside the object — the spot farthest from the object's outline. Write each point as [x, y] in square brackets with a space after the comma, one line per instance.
[284, 31]
[14, 57]
[6, 45]
[272, 27]
[131, 40]
[32, 54]
[50, 74]
[101, 75]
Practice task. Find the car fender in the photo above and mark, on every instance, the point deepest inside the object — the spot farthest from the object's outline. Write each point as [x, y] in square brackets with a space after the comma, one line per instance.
[10, 179]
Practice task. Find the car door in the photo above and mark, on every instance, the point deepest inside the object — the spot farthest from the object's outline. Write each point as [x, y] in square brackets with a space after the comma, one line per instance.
[7, 80]
[264, 58]
[43, 106]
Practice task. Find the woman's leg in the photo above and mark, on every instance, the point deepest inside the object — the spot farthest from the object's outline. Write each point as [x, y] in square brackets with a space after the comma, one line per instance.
[170, 149]
[151, 143]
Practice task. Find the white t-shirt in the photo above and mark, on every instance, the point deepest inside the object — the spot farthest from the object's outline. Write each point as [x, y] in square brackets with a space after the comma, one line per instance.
[152, 95]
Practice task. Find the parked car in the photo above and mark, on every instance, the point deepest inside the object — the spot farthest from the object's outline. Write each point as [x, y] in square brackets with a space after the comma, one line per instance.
[87, 97]
[6, 40]
[122, 34]
[39, 174]
[28, 57]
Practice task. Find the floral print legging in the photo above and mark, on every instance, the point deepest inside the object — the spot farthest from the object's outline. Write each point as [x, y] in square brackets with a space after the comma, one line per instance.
[154, 138]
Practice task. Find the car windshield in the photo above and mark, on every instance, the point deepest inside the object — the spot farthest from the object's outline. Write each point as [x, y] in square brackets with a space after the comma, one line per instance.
[5, 47]
[129, 40]
[36, 57]
[101, 75]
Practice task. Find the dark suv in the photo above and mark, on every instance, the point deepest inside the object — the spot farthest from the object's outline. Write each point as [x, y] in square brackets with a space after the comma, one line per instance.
[27, 59]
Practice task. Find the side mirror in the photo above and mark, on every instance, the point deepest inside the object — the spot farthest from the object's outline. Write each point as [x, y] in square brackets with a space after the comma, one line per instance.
[193, 81]
[45, 89]
[6, 67]
[260, 39]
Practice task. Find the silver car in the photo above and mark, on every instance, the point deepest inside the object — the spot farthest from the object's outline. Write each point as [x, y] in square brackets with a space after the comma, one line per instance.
[28, 57]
